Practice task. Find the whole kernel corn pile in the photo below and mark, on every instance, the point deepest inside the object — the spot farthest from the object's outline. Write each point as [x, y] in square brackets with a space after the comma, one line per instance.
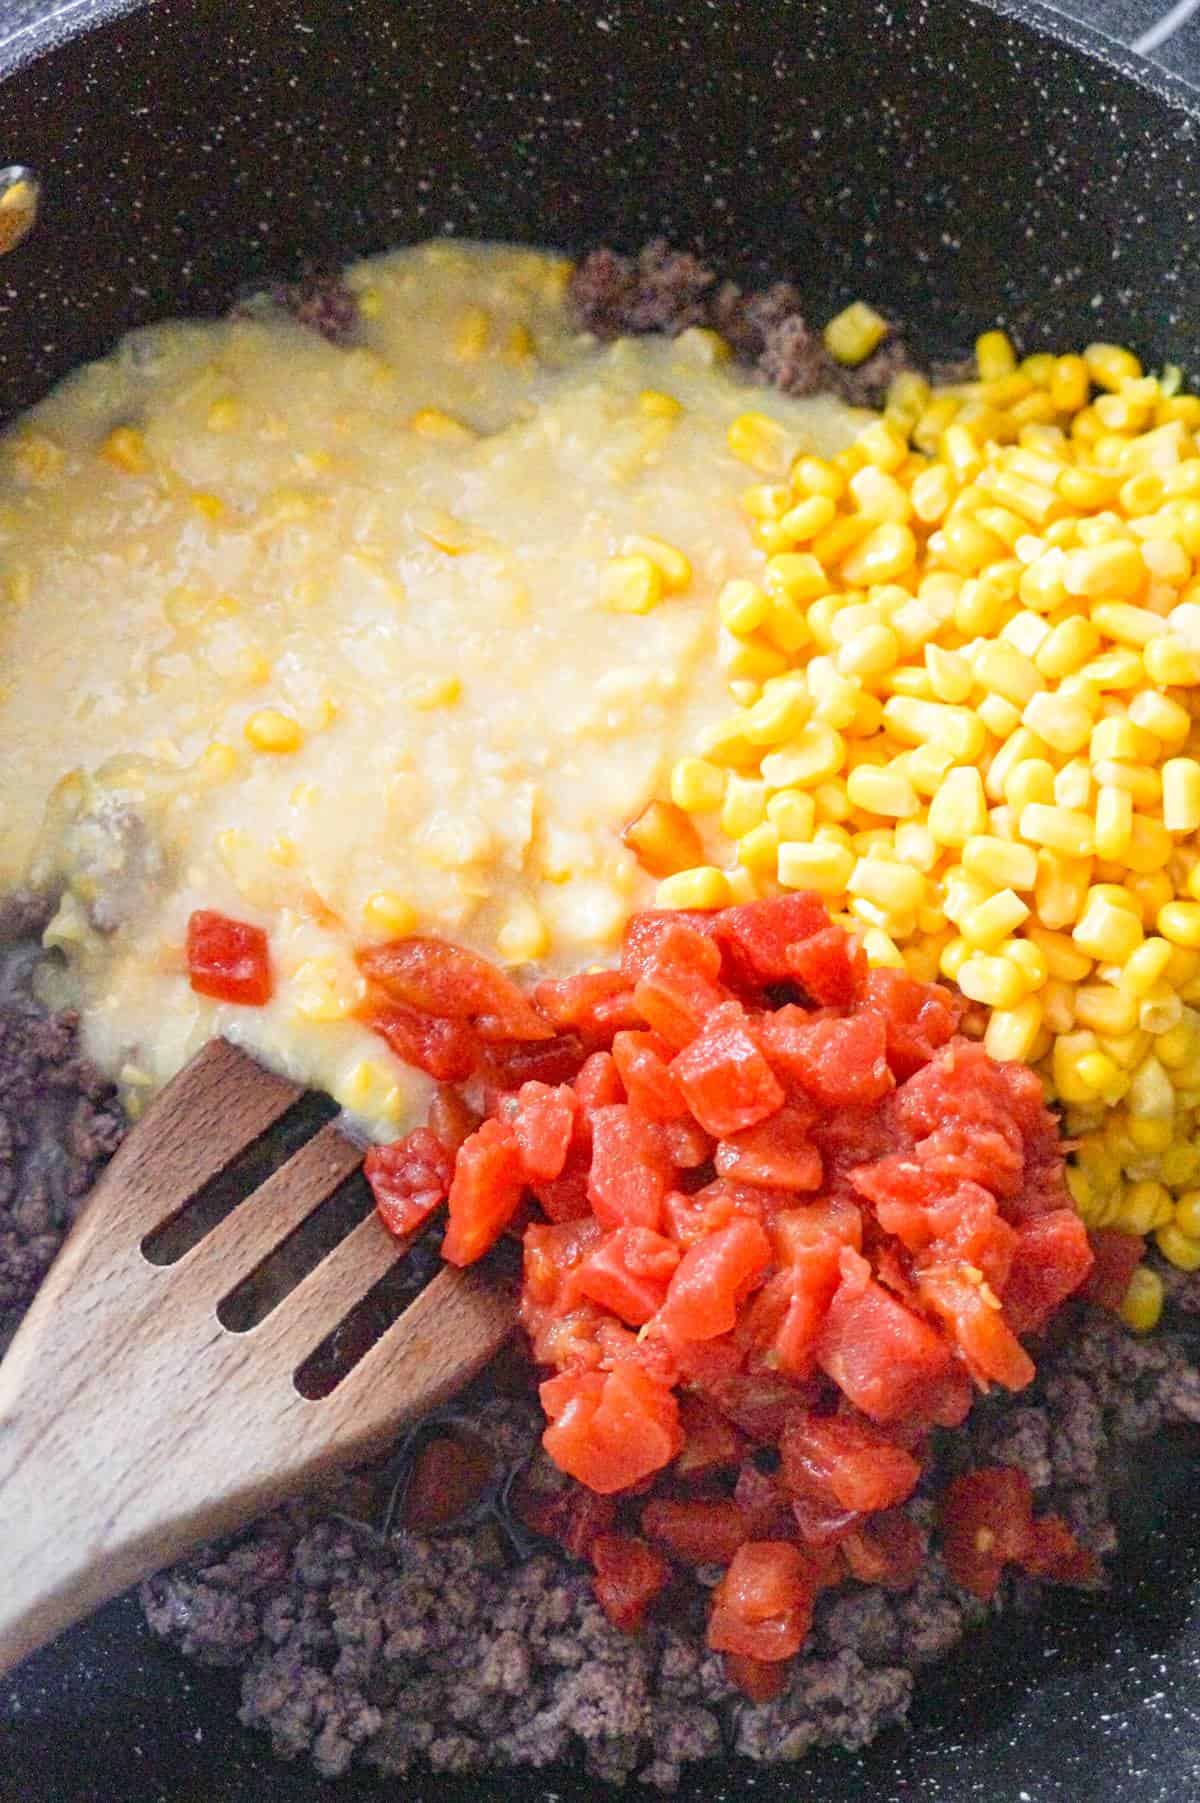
[968, 714]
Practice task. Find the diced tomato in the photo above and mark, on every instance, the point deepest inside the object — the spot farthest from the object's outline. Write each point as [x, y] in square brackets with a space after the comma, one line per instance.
[569, 1514]
[611, 1429]
[598, 1084]
[920, 1017]
[759, 1680]
[778, 1151]
[551, 1255]
[794, 1230]
[451, 1117]
[765, 1503]
[686, 1143]
[448, 980]
[831, 966]
[878, 1352]
[645, 932]
[448, 1050]
[228, 959]
[986, 1520]
[630, 1172]
[1117, 1256]
[958, 1295]
[629, 1575]
[595, 1005]
[763, 1605]
[542, 1120]
[727, 1082]
[643, 1060]
[409, 1179]
[489, 1180]
[628, 1273]
[678, 990]
[845, 1461]
[565, 1197]
[1057, 1556]
[787, 1315]
[713, 1277]
[711, 1443]
[835, 1060]
[759, 937]
[508, 1064]
[699, 1531]
[1052, 1260]
[885, 1549]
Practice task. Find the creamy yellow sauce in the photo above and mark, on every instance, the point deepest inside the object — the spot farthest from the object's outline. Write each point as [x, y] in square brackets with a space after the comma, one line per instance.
[282, 527]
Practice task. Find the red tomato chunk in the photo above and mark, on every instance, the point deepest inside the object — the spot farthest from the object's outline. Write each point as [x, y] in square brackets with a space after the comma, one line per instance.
[792, 1223]
[228, 959]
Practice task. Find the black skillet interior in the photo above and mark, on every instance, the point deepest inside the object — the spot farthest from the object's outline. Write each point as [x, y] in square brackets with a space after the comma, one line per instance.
[958, 165]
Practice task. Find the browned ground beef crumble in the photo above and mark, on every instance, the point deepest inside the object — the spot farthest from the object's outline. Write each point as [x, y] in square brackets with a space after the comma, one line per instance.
[463, 1650]
[468, 1649]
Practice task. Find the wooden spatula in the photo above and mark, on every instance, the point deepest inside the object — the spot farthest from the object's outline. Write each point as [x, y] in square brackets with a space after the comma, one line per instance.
[133, 1424]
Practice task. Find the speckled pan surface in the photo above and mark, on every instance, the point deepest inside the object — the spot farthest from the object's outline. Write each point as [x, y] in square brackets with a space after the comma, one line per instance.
[952, 161]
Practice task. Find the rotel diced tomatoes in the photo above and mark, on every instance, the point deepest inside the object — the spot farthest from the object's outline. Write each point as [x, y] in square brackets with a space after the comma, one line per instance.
[628, 1273]
[610, 1429]
[595, 1005]
[759, 1680]
[759, 937]
[645, 932]
[1057, 1556]
[448, 980]
[447, 1050]
[643, 1060]
[712, 1278]
[571, 1515]
[697, 1531]
[228, 959]
[711, 1442]
[630, 1173]
[844, 1461]
[726, 1081]
[678, 988]
[1117, 1256]
[409, 1179]
[489, 1180]
[878, 1352]
[598, 1084]
[629, 1575]
[1051, 1261]
[763, 1605]
[987, 1342]
[920, 1017]
[542, 1119]
[886, 1549]
[986, 1520]
[831, 966]
[835, 1061]
[777, 1152]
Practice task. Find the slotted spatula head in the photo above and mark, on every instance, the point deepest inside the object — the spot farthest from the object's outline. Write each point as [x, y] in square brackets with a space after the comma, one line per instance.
[134, 1423]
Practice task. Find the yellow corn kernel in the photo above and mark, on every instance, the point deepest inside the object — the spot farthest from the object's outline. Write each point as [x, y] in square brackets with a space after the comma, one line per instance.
[125, 449]
[893, 887]
[758, 849]
[1187, 1208]
[1106, 1010]
[705, 888]
[878, 496]
[958, 811]
[1012, 1033]
[854, 333]
[522, 936]
[1065, 962]
[1064, 830]
[671, 563]
[868, 652]
[697, 786]
[1060, 893]
[275, 732]
[440, 427]
[324, 990]
[224, 414]
[385, 911]
[760, 441]
[654, 403]
[793, 813]
[1176, 1046]
[1112, 571]
[1169, 661]
[632, 585]
[1114, 822]
[1179, 921]
[1178, 1248]
[368, 1089]
[990, 922]
[882, 790]
[1064, 722]
[1108, 933]
[795, 576]
[1145, 966]
[217, 763]
[1151, 1093]
[990, 980]
[1111, 366]
[808, 518]
[817, 752]
[1181, 795]
[1142, 1304]
[994, 356]
[1022, 780]
[1000, 863]
[766, 501]
[823, 867]
[743, 606]
[471, 332]
[950, 729]
[1002, 670]
[744, 807]
[888, 551]
[1169, 721]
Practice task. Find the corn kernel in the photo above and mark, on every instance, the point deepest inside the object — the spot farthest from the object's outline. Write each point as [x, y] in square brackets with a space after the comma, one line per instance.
[758, 849]
[522, 936]
[1106, 1010]
[324, 990]
[440, 427]
[990, 922]
[1107, 933]
[386, 912]
[885, 791]
[760, 441]
[125, 449]
[632, 585]
[704, 888]
[1169, 661]
[958, 812]
[1181, 795]
[990, 980]
[672, 565]
[823, 867]
[697, 786]
[815, 753]
[1110, 365]
[854, 333]
[1178, 1248]
[471, 333]
[950, 729]
[217, 763]
[275, 732]
[1187, 1208]
[654, 403]
[888, 551]
[1063, 830]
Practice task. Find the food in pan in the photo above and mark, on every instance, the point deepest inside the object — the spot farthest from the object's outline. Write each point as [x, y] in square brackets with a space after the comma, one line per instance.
[715, 802]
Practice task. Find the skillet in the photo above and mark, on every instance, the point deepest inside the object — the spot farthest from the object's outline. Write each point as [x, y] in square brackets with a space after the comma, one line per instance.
[962, 164]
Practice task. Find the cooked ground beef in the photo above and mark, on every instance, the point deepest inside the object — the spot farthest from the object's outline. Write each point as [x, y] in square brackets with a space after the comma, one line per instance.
[665, 290]
[323, 303]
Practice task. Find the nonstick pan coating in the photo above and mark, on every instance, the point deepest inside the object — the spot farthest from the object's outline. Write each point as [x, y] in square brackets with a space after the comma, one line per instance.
[957, 163]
